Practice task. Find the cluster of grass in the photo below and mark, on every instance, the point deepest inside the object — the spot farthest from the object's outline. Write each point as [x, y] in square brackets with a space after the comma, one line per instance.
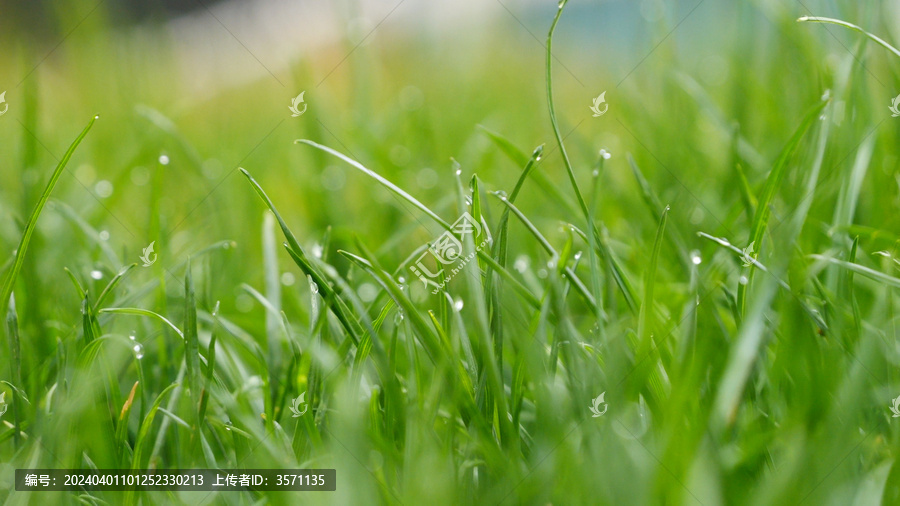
[727, 285]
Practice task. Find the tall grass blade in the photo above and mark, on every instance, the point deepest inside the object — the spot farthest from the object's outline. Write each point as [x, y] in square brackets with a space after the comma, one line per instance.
[10, 279]
[877, 39]
[773, 183]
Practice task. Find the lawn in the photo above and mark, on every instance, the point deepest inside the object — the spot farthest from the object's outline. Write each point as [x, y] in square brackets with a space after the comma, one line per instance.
[593, 253]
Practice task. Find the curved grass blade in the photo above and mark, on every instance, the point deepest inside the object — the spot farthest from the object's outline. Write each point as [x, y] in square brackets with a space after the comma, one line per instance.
[112, 285]
[814, 316]
[384, 182]
[861, 270]
[519, 158]
[298, 254]
[429, 339]
[568, 272]
[10, 280]
[562, 148]
[78, 287]
[832, 21]
[481, 254]
[500, 249]
[142, 312]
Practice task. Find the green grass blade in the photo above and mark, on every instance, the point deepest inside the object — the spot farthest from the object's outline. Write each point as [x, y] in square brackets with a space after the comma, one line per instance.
[429, 339]
[773, 183]
[272, 289]
[142, 441]
[122, 425]
[381, 180]
[298, 254]
[112, 285]
[191, 339]
[776, 176]
[567, 271]
[15, 365]
[134, 311]
[78, 287]
[10, 281]
[832, 21]
[645, 316]
[553, 121]
[861, 270]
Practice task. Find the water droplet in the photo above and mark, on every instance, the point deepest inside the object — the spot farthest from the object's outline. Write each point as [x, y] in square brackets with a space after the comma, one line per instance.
[695, 257]
[458, 304]
[743, 280]
[606, 155]
[521, 263]
[578, 256]
[317, 250]
[398, 317]
[537, 159]
[551, 264]
[501, 194]
[163, 160]
[458, 171]
[228, 425]
[103, 189]
[96, 274]
[131, 336]
[287, 279]
[401, 279]
[138, 351]
[104, 235]
[542, 273]
[313, 287]
[596, 173]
